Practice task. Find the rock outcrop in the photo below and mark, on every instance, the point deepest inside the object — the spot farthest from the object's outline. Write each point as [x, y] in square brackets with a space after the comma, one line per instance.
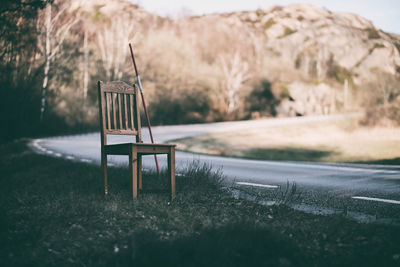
[315, 52]
[322, 44]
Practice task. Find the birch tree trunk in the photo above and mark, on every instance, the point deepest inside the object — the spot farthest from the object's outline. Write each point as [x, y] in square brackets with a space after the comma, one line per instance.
[85, 65]
[112, 42]
[54, 35]
[235, 71]
[346, 94]
[47, 60]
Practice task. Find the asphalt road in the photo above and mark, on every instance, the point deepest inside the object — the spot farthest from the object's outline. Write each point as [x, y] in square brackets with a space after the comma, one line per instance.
[366, 193]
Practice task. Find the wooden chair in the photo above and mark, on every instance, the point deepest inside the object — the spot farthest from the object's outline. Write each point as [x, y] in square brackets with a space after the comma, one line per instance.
[119, 115]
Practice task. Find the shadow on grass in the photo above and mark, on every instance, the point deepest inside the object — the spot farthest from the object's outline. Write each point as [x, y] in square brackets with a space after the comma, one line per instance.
[394, 161]
[290, 154]
[235, 245]
[282, 153]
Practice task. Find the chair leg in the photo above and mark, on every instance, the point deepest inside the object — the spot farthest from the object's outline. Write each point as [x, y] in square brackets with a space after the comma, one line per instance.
[104, 170]
[171, 169]
[133, 171]
[139, 171]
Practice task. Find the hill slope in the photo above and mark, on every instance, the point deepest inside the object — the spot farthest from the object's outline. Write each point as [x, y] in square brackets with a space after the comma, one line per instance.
[281, 61]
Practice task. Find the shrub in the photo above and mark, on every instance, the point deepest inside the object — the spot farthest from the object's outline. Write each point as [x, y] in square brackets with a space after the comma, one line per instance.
[287, 15]
[300, 18]
[381, 99]
[187, 107]
[338, 72]
[285, 94]
[262, 99]
[197, 176]
[19, 109]
[397, 46]
[297, 62]
[378, 45]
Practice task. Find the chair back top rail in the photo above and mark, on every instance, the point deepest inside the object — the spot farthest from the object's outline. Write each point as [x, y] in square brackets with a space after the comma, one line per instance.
[118, 110]
[117, 87]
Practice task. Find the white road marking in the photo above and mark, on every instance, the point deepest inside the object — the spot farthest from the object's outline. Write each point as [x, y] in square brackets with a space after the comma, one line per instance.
[57, 155]
[86, 160]
[70, 157]
[258, 185]
[378, 199]
[49, 152]
[38, 146]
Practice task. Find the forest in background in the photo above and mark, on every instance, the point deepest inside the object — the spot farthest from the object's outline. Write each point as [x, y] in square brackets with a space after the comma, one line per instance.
[194, 69]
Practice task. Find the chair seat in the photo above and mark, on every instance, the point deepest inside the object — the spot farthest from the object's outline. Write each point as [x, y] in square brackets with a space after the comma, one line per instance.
[141, 148]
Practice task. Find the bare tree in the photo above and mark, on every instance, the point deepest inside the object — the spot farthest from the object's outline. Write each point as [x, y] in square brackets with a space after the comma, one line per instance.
[50, 40]
[236, 72]
[112, 42]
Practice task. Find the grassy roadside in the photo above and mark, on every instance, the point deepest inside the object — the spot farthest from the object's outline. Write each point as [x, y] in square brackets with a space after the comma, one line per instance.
[53, 214]
[342, 141]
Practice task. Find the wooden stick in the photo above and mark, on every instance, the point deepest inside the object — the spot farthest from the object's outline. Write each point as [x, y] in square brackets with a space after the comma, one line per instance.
[144, 105]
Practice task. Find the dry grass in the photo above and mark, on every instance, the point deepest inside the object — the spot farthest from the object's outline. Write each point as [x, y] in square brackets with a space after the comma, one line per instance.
[342, 141]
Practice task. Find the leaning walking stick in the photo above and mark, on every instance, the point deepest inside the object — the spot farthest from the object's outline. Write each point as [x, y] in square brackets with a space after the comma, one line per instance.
[144, 105]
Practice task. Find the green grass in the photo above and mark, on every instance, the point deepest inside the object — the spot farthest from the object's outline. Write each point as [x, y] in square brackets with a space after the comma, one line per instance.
[53, 213]
[284, 153]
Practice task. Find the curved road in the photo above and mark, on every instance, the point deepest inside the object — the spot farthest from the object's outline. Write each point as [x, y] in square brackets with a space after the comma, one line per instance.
[367, 193]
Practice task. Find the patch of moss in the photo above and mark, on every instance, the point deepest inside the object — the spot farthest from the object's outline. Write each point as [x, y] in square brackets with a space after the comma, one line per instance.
[322, 26]
[98, 16]
[315, 81]
[372, 33]
[397, 46]
[297, 62]
[269, 23]
[378, 45]
[260, 12]
[340, 73]
[287, 31]
[285, 94]
[287, 15]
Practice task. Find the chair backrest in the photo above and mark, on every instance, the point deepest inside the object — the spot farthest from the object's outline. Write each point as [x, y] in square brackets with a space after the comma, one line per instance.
[118, 110]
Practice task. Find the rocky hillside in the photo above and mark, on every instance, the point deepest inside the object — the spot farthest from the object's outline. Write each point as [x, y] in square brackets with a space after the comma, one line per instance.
[290, 60]
[314, 40]
[303, 46]
[301, 38]
[96, 9]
